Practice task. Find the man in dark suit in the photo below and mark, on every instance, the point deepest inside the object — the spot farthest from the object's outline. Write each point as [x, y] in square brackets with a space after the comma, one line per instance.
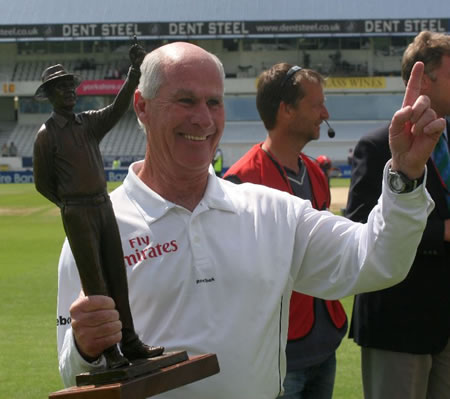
[404, 330]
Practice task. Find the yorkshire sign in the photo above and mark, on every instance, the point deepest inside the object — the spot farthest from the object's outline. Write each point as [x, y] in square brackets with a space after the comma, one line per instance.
[223, 29]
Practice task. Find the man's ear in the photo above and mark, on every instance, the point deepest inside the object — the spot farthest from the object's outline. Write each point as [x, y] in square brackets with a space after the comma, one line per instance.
[285, 110]
[140, 106]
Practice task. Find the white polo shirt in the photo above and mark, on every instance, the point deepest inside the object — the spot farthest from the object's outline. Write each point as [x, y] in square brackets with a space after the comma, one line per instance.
[219, 279]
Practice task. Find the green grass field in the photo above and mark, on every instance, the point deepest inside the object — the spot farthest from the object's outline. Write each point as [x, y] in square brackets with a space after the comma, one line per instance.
[31, 239]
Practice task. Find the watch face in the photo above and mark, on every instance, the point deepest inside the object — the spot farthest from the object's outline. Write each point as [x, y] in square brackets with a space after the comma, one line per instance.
[396, 182]
[400, 183]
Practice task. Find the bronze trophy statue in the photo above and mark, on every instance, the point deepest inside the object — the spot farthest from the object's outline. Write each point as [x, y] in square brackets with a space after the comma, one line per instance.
[68, 170]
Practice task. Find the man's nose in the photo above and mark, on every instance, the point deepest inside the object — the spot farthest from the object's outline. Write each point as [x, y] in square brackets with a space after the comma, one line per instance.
[202, 116]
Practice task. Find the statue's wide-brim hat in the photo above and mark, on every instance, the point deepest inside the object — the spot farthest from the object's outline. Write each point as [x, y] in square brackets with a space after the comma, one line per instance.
[51, 74]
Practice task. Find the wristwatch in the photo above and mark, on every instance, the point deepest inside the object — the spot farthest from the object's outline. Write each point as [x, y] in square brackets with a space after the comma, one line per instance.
[399, 183]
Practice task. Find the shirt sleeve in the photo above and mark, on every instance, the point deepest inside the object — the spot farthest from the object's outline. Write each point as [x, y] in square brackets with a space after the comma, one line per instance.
[360, 257]
[71, 363]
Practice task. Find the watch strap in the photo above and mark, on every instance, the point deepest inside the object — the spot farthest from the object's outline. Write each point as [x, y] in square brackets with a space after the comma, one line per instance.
[410, 184]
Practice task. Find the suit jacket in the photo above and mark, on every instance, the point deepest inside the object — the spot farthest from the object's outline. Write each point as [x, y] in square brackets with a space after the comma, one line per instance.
[414, 315]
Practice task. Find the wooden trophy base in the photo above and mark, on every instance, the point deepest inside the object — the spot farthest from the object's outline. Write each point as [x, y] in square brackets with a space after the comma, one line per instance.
[142, 379]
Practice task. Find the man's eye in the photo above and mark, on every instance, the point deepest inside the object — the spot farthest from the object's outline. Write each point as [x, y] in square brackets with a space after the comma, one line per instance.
[213, 102]
[186, 100]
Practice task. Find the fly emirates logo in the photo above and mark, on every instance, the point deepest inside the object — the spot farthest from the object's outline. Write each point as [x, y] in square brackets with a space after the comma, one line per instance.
[140, 249]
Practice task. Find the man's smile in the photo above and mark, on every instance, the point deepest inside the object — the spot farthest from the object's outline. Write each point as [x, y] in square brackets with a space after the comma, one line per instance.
[195, 138]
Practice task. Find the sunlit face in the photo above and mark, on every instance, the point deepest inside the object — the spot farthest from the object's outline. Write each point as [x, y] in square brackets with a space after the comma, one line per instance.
[185, 121]
[62, 94]
[438, 87]
[309, 112]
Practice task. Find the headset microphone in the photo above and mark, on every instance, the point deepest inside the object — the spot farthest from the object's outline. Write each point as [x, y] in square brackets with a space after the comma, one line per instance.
[331, 132]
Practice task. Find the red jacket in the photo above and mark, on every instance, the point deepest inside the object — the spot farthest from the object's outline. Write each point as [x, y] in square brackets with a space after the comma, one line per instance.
[256, 166]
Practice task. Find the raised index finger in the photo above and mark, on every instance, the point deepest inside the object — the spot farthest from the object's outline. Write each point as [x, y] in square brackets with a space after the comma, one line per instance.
[412, 92]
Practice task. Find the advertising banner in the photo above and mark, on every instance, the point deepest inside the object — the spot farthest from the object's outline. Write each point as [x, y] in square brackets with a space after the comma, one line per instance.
[26, 176]
[200, 29]
[99, 87]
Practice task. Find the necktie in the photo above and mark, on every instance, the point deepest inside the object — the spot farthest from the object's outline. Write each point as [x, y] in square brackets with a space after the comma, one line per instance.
[441, 159]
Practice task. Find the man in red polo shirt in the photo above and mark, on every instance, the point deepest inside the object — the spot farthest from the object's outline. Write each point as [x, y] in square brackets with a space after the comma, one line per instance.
[290, 101]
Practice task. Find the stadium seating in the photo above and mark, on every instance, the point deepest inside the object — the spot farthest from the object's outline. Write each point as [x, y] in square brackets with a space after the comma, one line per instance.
[23, 138]
[32, 70]
[126, 138]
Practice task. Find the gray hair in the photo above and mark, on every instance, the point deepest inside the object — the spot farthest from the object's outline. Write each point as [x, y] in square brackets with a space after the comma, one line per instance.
[151, 78]
[219, 66]
[152, 73]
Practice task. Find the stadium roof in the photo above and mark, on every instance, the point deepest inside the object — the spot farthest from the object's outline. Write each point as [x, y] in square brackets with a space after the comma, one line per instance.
[22, 12]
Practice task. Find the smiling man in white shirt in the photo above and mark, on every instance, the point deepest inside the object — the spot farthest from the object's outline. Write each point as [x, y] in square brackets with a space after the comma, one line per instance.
[226, 291]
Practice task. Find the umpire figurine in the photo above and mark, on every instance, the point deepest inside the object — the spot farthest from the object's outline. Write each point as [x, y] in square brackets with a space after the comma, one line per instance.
[68, 170]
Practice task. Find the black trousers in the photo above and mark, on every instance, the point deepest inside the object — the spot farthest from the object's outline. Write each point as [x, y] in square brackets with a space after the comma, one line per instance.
[94, 238]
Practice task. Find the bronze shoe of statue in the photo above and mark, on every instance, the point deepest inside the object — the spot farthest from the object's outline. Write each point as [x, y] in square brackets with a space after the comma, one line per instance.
[114, 359]
[136, 349]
